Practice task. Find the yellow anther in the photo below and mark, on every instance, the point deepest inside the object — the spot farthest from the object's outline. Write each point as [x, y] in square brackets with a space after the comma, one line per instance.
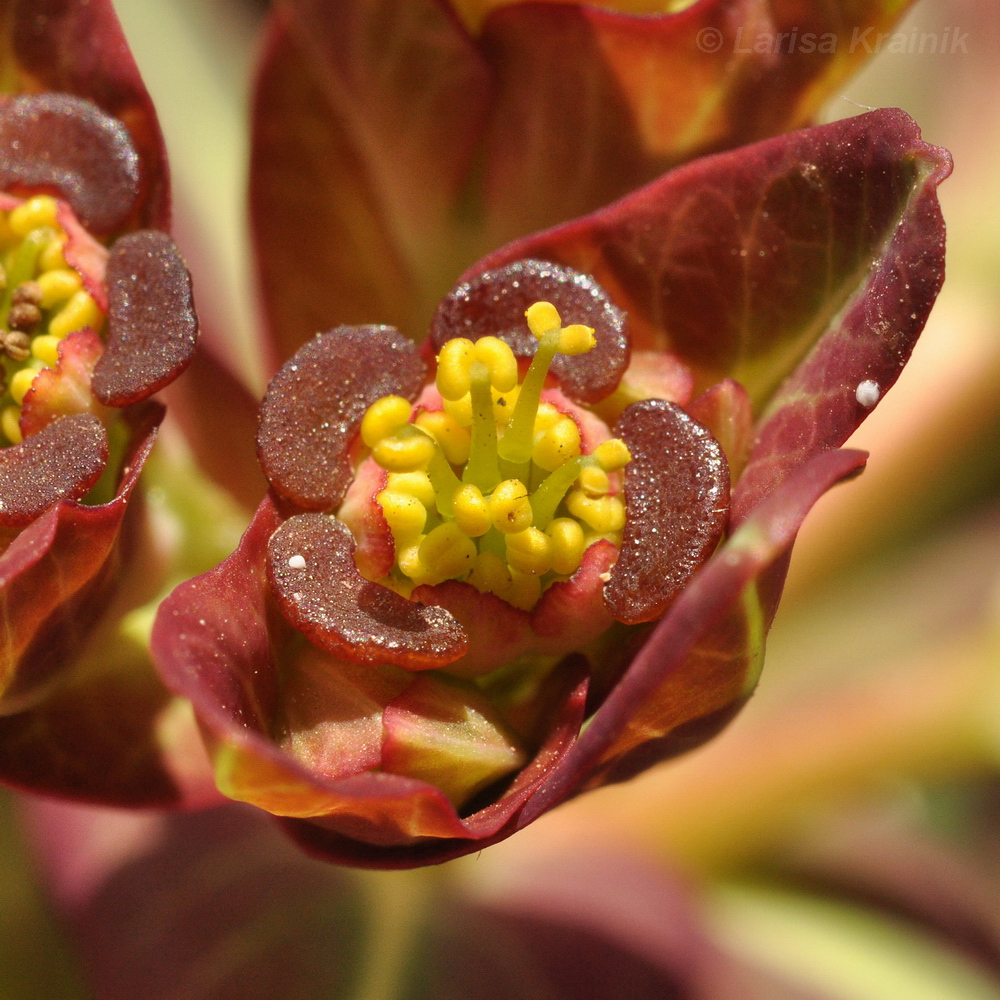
[500, 362]
[510, 510]
[80, 311]
[471, 511]
[567, 545]
[603, 514]
[9, 424]
[46, 349]
[547, 416]
[593, 480]
[408, 450]
[413, 484]
[542, 317]
[383, 418]
[453, 438]
[577, 339]
[51, 258]
[525, 589]
[20, 383]
[410, 563]
[58, 285]
[405, 514]
[503, 405]
[460, 410]
[612, 455]
[34, 213]
[557, 445]
[530, 551]
[453, 368]
[491, 574]
[447, 552]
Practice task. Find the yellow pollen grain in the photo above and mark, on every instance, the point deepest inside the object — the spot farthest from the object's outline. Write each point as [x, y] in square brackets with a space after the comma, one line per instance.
[20, 383]
[80, 311]
[577, 339]
[542, 317]
[530, 551]
[612, 455]
[557, 445]
[471, 511]
[503, 405]
[491, 574]
[510, 509]
[568, 545]
[405, 515]
[603, 514]
[454, 361]
[383, 418]
[38, 211]
[414, 484]
[593, 480]
[46, 349]
[460, 410]
[9, 423]
[51, 258]
[58, 286]
[499, 361]
[447, 552]
[525, 589]
[405, 452]
[454, 439]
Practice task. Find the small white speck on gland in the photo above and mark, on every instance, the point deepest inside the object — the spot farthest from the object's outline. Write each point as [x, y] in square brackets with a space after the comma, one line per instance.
[867, 393]
[296, 562]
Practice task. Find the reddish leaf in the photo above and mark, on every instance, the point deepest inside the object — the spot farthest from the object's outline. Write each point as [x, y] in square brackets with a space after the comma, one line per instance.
[494, 302]
[152, 326]
[317, 585]
[677, 498]
[726, 411]
[61, 143]
[398, 150]
[79, 48]
[313, 407]
[60, 462]
[95, 735]
[742, 263]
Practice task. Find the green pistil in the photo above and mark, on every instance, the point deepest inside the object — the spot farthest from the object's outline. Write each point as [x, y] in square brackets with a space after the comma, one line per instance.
[23, 264]
[518, 441]
[482, 469]
[444, 481]
[554, 487]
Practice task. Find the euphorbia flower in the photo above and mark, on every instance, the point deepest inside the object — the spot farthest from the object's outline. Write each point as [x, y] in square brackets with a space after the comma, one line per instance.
[96, 316]
[403, 693]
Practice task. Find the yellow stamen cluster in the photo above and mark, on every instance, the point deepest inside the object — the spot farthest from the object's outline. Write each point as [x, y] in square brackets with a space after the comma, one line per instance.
[494, 489]
[42, 301]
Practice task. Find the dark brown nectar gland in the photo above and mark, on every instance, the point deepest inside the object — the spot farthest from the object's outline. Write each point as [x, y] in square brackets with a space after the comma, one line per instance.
[42, 301]
[494, 489]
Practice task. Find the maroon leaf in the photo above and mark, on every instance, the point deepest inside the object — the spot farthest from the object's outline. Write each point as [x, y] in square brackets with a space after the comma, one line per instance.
[313, 407]
[62, 143]
[320, 591]
[60, 462]
[726, 411]
[152, 326]
[79, 48]
[742, 263]
[677, 498]
[399, 148]
[494, 302]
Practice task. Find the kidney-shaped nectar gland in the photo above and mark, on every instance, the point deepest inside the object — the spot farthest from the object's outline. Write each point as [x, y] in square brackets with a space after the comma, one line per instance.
[677, 498]
[313, 407]
[60, 141]
[60, 462]
[321, 593]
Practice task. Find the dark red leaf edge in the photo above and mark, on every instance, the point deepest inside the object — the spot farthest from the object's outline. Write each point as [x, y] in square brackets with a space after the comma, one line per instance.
[90, 740]
[80, 48]
[761, 542]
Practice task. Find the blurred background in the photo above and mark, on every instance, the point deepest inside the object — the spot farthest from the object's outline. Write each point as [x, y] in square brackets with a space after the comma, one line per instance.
[839, 840]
